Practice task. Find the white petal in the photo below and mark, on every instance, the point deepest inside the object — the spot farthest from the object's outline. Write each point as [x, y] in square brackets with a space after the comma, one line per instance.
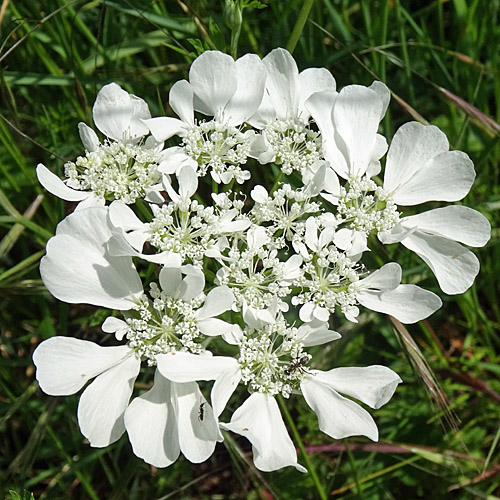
[64, 364]
[455, 222]
[413, 145]
[197, 434]
[57, 187]
[89, 138]
[79, 269]
[384, 94]
[455, 267]
[118, 114]
[181, 100]
[151, 425]
[356, 115]
[116, 326]
[121, 215]
[337, 416]
[313, 80]
[164, 127]
[213, 76]
[373, 385]
[282, 82]
[188, 182]
[259, 420]
[407, 303]
[251, 79]
[193, 283]
[316, 333]
[446, 177]
[386, 278]
[170, 279]
[103, 402]
[187, 367]
[224, 386]
[214, 327]
[306, 312]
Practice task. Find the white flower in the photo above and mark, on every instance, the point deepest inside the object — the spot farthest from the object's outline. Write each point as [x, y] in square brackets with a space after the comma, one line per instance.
[348, 123]
[420, 168]
[259, 418]
[120, 168]
[65, 365]
[283, 117]
[78, 268]
[171, 418]
[381, 291]
[340, 417]
[287, 91]
[231, 92]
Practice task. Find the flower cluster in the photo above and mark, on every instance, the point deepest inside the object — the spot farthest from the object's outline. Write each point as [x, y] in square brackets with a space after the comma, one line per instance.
[211, 252]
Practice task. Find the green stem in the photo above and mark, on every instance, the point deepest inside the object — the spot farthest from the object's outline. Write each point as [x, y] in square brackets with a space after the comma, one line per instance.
[235, 36]
[299, 25]
[353, 467]
[298, 440]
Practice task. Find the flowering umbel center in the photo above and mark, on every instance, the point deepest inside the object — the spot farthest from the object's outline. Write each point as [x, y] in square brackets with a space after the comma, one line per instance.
[165, 324]
[272, 359]
[365, 206]
[219, 149]
[296, 146]
[115, 171]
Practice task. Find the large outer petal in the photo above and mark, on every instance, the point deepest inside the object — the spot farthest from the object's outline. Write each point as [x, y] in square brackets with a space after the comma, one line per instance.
[282, 82]
[151, 425]
[224, 386]
[79, 269]
[213, 76]
[388, 277]
[197, 435]
[164, 127]
[446, 177]
[88, 136]
[181, 99]
[373, 385]
[259, 420]
[103, 403]
[56, 186]
[337, 416]
[64, 364]
[118, 114]
[251, 80]
[313, 80]
[218, 300]
[187, 367]
[413, 145]
[455, 267]
[455, 222]
[407, 303]
[356, 116]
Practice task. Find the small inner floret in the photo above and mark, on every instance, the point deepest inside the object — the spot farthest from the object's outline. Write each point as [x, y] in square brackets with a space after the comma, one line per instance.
[115, 171]
[220, 149]
[295, 145]
[272, 359]
[162, 325]
[366, 207]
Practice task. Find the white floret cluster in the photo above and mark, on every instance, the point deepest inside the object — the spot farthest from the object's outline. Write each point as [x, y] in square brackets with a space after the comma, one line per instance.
[258, 204]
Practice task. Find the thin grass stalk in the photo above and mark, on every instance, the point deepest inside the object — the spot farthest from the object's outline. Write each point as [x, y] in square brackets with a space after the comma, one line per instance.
[298, 440]
[299, 25]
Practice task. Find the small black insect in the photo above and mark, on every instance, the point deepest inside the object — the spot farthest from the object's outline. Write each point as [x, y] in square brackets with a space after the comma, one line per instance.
[297, 364]
[201, 412]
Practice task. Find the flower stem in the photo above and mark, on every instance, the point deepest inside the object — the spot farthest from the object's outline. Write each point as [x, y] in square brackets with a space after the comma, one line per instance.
[299, 25]
[298, 440]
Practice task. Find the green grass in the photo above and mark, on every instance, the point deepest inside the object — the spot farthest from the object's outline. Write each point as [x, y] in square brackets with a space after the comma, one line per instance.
[440, 433]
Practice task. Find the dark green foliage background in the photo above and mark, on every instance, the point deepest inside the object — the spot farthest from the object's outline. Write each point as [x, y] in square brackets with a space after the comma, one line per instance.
[441, 61]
